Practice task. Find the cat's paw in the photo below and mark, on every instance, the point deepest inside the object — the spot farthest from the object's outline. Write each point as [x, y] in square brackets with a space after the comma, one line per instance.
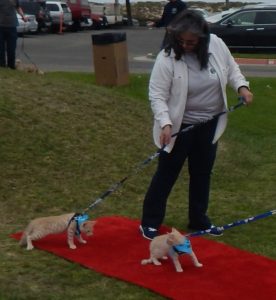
[73, 247]
[30, 248]
[83, 242]
[179, 270]
[199, 265]
[165, 257]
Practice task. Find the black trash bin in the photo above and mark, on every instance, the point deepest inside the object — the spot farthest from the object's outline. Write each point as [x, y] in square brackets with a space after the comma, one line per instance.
[110, 59]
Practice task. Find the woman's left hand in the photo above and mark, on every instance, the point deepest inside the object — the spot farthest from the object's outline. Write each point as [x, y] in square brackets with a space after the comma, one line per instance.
[246, 94]
[165, 136]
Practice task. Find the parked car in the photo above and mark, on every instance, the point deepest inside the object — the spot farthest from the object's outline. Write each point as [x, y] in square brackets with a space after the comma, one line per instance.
[30, 25]
[33, 24]
[59, 11]
[250, 28]
[201, 11]
[81, 13]
[219, 15]
[22, 27]
[86, 23]
[39, 9]
[108, 8]
[99, 21]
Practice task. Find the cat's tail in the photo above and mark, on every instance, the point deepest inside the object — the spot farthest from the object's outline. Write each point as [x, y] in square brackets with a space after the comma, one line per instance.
[23, 240]
[146, 261]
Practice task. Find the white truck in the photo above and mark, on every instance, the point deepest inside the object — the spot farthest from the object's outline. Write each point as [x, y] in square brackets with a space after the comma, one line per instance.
[111, 10]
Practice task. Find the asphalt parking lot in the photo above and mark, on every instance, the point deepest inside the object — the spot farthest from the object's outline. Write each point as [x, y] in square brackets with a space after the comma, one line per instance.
[73, 51]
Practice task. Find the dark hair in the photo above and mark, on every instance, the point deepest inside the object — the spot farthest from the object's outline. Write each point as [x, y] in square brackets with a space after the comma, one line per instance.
[188, 21]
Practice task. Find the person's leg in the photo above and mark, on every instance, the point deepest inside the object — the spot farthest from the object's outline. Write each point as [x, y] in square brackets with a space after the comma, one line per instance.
[2, 48]
[201, 161]
[169, 167]
[11, 47]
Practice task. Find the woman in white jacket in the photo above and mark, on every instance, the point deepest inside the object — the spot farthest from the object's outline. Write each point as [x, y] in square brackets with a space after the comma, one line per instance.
[188, 86]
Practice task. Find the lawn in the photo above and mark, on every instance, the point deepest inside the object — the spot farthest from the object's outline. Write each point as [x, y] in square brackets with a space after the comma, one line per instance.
[64, 141]
[254, 55]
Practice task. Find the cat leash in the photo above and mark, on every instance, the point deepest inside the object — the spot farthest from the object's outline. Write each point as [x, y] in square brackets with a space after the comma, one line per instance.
[234, 224]
[25, 53]
[143, 164]
[185, 247]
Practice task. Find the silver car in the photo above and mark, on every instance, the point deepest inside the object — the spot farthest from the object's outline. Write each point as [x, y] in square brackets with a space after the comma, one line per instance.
[24, 27]
[33, 24]
[60, 13]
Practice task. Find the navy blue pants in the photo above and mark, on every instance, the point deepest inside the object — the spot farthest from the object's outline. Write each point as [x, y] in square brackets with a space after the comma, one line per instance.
[196, 145]
[8, 38]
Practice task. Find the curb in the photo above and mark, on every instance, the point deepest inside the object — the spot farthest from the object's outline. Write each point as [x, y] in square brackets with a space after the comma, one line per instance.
[256, 61]
[239, 60]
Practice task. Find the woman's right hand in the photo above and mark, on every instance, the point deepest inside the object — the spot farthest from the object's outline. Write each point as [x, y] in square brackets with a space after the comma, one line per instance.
[166, 134]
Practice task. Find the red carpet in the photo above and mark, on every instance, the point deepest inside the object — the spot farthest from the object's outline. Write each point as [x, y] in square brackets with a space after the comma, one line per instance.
[116, 249]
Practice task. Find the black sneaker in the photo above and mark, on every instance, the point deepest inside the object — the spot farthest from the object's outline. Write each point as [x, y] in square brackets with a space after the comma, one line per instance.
[215, 231]
[148, 232]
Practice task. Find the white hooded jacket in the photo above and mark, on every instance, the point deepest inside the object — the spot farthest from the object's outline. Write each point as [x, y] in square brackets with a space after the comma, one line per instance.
[168, 87]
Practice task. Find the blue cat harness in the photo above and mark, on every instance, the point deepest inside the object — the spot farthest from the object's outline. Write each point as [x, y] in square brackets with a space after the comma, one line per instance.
[79, 219]
[184, 248]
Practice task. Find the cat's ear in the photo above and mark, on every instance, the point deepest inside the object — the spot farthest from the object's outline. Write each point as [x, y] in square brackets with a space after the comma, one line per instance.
[173, 230]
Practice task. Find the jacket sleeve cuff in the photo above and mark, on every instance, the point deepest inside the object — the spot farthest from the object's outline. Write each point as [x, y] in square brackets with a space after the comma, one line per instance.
[243, 86]
[164, 123]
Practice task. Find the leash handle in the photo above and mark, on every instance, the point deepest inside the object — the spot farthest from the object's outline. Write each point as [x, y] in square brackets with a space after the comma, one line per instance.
[239, 104]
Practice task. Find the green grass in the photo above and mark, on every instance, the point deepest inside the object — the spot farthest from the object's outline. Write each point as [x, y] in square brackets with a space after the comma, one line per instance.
[64, 141]
[255, 55]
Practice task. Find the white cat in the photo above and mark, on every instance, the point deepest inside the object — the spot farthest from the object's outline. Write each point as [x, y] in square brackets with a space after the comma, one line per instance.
[74, 224]
[29, 68]
[170, 244]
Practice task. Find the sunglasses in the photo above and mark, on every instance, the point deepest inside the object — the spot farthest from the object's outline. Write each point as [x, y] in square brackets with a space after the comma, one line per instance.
[187, 42]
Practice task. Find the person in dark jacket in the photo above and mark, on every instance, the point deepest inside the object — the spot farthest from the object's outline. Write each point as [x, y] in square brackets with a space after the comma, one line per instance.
[8, 32]
[171, 9]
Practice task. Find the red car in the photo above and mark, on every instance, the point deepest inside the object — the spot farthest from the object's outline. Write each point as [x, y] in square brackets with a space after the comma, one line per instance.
[81, 12]
[99, 21]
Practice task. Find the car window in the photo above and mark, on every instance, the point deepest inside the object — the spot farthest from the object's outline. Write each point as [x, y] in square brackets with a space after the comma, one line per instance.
[65, 8]
[266, 17]
[52, 7]
[242, 18]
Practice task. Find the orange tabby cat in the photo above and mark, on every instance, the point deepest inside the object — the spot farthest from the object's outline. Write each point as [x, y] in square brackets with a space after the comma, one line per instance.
[40, 227]
[165, 244]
